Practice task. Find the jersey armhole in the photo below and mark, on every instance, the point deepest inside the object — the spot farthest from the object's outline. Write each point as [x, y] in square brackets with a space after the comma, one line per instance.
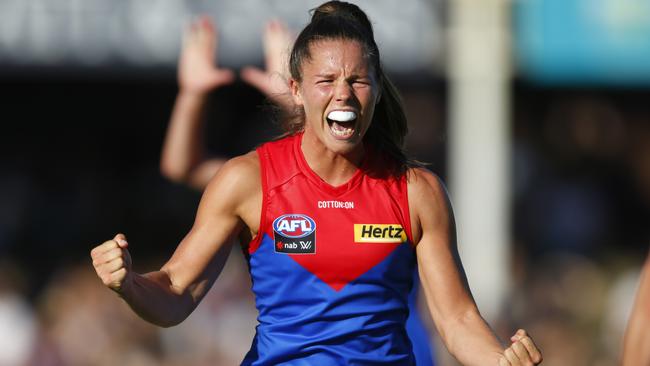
[255, 242]
[407, 210]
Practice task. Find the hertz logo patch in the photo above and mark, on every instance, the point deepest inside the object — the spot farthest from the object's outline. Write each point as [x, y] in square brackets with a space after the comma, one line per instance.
[379, 233]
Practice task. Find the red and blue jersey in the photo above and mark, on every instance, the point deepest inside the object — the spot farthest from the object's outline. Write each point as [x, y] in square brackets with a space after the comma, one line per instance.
[331, 267]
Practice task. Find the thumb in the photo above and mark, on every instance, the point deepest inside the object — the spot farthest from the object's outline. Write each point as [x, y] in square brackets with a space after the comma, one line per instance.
[518, 335]
[120, 239]
[256, 78]
[223, 76]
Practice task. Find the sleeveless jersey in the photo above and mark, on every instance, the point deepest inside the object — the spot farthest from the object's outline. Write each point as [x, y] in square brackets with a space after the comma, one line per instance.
[331, 267]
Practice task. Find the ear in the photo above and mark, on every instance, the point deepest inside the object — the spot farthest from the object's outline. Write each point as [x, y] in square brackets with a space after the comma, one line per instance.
[295, 91]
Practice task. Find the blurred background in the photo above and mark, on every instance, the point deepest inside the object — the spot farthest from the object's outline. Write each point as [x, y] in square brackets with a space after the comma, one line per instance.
[535, 113]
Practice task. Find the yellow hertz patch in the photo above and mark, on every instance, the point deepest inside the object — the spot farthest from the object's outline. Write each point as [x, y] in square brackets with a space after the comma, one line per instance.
[379, 233]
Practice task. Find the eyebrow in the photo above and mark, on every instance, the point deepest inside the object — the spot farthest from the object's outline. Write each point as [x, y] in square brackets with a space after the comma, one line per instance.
[353, 76]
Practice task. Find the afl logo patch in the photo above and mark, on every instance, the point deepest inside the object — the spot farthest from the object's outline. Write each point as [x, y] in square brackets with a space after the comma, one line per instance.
[295, 234]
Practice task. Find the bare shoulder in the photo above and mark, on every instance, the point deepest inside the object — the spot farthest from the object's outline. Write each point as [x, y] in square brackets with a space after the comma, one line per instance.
[428, 201]
[238, 170]
[424, 185]
[238, 180]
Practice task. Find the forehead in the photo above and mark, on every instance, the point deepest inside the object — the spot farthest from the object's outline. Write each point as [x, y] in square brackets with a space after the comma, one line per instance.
[337, 54]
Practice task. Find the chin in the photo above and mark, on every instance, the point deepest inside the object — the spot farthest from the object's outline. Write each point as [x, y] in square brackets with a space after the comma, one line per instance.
[344, 147]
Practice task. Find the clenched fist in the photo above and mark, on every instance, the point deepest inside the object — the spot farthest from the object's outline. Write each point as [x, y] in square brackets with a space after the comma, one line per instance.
[522, 351]
[112, 262]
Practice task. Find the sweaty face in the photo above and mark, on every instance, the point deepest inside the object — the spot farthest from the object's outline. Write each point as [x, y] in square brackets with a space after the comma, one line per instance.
[338, 92]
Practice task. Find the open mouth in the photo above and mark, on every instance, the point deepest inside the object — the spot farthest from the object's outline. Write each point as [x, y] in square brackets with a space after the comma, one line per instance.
[342, 123]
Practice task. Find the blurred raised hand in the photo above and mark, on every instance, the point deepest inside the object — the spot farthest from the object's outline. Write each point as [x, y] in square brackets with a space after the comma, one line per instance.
[183, 157]
[198, 71]
[274, 80]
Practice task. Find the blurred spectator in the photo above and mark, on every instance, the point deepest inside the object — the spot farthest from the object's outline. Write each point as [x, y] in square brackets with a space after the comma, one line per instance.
[636, 346]
[562, 301]
[221, 328]
[18, 325]
[83, 324]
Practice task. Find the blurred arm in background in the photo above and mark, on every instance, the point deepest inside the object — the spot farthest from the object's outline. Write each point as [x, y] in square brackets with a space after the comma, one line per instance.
[636, 344]
[183, 157]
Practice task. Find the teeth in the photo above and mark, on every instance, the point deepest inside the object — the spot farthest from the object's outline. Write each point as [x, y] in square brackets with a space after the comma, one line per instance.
[341, 131]
[342, 116]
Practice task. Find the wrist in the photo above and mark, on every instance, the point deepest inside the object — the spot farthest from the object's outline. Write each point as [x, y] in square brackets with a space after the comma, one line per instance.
[125, 289]
[198, 95]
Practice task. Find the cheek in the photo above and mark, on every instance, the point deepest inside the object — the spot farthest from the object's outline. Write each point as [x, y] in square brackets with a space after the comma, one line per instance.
[315, 99]
[321, 93]
[367, 95]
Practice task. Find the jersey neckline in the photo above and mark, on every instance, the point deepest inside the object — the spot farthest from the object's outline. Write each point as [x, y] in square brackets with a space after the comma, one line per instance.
[318, 181]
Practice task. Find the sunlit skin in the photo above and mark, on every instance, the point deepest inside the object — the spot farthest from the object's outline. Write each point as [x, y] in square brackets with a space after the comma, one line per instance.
[338, 77]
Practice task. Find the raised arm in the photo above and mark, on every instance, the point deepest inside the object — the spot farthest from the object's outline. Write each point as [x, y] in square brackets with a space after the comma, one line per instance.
[183, 156]
[166, 297]
[184, 159]
[636, 345]
[464, 332]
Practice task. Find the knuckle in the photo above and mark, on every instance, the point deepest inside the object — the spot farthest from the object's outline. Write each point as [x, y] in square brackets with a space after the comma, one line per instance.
[109, 256]
[119, 275]
[519, 346]
[100, 271]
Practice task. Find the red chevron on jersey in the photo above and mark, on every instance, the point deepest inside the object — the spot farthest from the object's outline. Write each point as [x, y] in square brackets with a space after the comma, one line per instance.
[336, 233]
[339, 262]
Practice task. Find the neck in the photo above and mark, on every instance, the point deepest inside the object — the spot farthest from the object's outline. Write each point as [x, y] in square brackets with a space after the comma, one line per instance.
[334, 168]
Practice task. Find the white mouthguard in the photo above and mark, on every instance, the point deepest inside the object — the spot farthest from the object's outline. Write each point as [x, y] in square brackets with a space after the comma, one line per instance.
[342, 116]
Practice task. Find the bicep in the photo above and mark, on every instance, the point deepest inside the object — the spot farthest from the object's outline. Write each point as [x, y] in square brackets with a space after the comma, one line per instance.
[440, 268]
[201, 255]
[443, 279]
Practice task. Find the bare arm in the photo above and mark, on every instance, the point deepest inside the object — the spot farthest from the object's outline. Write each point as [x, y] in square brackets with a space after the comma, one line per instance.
[464, 332]
[183, 156]
[636, 345]
[166, 297]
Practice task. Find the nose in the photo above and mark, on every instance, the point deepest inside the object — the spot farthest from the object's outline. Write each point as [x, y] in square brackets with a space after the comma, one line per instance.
[343, 91]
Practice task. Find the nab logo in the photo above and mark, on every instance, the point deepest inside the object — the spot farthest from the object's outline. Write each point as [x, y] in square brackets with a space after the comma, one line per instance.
[295, 234]
[379, 233]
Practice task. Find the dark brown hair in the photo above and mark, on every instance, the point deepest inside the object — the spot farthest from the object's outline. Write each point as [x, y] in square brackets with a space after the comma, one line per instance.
[340, 20]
